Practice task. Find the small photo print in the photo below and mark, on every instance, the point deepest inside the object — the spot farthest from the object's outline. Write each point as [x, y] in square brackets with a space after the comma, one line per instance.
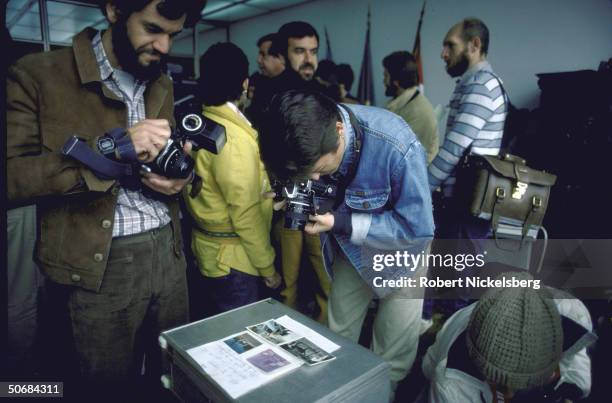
[242, 342]
[310, 353]
[273, 332]
[268, 361]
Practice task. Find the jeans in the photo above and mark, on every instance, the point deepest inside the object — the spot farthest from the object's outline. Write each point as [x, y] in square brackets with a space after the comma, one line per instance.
[233, 291]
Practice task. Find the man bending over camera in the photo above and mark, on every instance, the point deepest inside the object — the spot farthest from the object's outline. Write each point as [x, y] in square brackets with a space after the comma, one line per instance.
[382, 203]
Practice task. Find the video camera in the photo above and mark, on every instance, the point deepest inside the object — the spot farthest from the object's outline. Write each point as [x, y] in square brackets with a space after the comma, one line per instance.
[304, 198]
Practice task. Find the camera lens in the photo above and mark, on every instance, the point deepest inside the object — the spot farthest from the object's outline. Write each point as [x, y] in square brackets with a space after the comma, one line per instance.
[177, 164]
[297, 211]
[172, 162]
[192, 122]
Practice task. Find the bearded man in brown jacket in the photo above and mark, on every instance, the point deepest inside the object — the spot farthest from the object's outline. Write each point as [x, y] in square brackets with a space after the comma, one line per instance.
[114, 250]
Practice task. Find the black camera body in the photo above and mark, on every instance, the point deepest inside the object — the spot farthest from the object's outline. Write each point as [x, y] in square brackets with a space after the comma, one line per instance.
[304, 198]
[202, 132]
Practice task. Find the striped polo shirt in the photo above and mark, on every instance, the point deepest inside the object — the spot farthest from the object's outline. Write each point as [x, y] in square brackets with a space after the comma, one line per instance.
[476, 119]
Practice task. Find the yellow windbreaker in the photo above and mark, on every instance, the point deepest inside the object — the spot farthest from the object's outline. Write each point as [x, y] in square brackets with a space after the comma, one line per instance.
[232, 217]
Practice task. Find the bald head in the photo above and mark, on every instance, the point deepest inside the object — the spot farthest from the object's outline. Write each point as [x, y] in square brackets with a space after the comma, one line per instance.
[465, 44]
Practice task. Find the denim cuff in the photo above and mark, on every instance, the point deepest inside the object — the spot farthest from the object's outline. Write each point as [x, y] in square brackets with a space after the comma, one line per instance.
[342, 223]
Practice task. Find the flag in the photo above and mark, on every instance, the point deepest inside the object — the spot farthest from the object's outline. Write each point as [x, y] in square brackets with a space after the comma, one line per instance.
[328, 55]
[365, 91]
[416, 49]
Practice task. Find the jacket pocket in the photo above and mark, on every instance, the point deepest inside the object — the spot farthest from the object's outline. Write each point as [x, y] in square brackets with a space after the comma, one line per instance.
[209, 256]
[367, 201]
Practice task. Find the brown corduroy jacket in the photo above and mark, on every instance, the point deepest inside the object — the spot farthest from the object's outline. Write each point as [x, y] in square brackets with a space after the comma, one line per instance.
[50, 97]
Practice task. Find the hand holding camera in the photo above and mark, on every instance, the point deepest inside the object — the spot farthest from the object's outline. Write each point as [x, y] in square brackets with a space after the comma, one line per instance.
[171, 161]
[319, 223]
[149, 151]
[164, 185]
[149, 137]
[306, 200]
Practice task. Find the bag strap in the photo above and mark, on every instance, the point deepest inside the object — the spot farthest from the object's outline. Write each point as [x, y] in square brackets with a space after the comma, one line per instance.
[468, 151]
[536, 205]
[503, 90]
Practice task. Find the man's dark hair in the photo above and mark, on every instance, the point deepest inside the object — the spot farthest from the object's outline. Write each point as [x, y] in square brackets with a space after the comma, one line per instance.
[472, 28]
[345, 75]
[170, 9]
[402, 67]
[223, 69]
[327, 70]
[294, 29]
[298, 129]
[273, 50]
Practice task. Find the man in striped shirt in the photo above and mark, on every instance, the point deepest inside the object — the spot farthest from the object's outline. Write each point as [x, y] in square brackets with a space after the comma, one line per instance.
[477, 107]
[475, 125]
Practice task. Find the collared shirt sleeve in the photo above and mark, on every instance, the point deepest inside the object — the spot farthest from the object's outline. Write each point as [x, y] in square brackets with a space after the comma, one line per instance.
[409, 223]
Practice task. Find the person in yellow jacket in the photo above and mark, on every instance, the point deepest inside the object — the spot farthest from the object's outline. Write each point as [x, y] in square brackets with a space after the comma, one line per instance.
[231, 236]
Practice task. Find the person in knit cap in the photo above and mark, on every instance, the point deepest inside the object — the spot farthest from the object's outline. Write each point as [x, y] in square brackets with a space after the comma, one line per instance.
[514, 344]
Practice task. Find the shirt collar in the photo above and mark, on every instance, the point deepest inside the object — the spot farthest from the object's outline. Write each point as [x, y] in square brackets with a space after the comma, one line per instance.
[397, 103]
[349, 153]
[106, 69]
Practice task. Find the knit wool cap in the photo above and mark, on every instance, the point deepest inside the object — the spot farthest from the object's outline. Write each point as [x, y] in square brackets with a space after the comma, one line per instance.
[514, 336]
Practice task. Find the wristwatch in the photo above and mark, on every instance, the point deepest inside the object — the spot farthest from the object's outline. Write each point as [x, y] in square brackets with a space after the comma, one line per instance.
[107, 146]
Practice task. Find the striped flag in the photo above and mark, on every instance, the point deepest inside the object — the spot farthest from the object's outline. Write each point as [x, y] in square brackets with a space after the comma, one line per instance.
[365, 91]
[328, 54]
[416, 49]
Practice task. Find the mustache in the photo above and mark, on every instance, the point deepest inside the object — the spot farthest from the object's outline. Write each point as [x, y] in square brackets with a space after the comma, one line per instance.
[150, 52]
[305, 65]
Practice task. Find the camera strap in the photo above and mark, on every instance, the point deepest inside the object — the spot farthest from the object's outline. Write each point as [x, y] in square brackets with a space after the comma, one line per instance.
[101, 166]
[357, 143]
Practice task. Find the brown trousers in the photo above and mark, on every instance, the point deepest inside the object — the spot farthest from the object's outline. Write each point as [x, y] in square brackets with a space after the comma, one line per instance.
[292, 244]
[143, 292]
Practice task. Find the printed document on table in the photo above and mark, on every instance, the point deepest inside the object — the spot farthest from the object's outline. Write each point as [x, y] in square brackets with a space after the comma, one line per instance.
[241, 362]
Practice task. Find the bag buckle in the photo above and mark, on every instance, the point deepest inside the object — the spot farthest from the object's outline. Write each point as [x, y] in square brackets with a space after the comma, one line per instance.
[536, 202]
[500, 193]
[520, 190]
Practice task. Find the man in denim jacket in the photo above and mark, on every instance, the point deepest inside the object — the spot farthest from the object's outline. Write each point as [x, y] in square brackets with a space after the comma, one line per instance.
[384, 206]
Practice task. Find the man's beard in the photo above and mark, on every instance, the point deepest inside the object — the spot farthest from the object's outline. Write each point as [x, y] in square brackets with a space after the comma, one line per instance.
[128, 56]
[303, 67]
[459, 67]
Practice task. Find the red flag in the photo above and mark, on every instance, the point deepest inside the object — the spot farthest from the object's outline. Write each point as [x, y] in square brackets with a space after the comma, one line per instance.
[416, 49]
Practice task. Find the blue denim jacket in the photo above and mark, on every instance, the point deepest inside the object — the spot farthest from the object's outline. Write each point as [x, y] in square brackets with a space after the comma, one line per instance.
[389, 196]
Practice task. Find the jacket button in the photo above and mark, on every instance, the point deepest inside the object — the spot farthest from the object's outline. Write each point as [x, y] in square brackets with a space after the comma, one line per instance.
[106, 223]
[98, 257]
[75, 277]
[366, 205]
[114, 191]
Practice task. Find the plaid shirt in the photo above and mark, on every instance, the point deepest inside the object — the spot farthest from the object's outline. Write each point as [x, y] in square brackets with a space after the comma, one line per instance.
[134, 213]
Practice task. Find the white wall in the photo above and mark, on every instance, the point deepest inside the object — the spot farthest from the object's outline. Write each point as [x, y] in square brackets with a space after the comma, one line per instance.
[527, 37]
